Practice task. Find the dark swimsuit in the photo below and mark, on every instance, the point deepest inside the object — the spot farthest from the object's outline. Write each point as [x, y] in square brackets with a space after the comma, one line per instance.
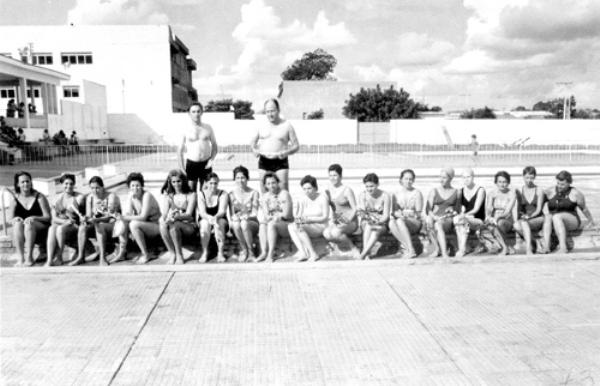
[273, 164]
[197, 171]
[444, 204]
[561, 203]
[469, 204]
[213, 210]
[35, 210]
[525, 207]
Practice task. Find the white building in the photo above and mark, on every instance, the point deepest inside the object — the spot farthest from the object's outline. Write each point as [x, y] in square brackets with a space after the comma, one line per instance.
[146, 69]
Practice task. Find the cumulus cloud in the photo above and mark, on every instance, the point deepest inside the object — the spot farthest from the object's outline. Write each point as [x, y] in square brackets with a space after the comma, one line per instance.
[419, 49]
[269, 45]
[116, 12]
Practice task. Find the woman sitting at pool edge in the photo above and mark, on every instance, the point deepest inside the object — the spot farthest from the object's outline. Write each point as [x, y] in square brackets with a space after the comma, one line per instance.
[310, 219]
[562, 205]
[141, 213]
[243, 212]
[30, 214]
[177, 220]
[66, 217]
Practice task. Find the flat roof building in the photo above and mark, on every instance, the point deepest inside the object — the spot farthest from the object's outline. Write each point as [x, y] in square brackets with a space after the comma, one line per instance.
[144, 67]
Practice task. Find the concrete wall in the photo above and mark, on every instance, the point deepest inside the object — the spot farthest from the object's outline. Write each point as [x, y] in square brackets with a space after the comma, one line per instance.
[373, 132]
[131, 128]
[496, 131]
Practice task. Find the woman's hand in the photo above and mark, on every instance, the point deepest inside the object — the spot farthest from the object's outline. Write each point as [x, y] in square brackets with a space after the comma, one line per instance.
[17, 220]
[28, 221]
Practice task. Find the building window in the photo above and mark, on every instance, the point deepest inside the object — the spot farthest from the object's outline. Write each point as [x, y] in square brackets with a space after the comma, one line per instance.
[71, 91]
[42, 59]
[36, 93]
[76, 57]
[7, 93]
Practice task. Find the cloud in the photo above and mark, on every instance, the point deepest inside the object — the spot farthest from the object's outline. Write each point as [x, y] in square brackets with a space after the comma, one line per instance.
[419, 49]
[116, 12]
[269, 46]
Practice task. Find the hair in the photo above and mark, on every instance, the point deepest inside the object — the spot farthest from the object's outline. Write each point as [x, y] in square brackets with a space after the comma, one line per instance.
[17, 175]
[564, 175]
[530, 170]
[371, 177]
[98, 180]
[135, 176]
[168, 186]
[241, 169]
[335, 168]
[275, 102]
[196, 104]
[67, 176]
[504, 174]
[473, 136]
[406, 171]
[309, 180]
[270, 175]
[212, 175]
[449, 172]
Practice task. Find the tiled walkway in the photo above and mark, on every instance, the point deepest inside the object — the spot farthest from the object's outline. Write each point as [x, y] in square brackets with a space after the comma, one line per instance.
[373, 323]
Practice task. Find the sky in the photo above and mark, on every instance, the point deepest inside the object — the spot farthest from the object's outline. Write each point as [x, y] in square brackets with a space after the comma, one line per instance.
[451, 53]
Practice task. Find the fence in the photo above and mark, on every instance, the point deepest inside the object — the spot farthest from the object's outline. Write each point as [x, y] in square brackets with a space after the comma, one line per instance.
[71, 157]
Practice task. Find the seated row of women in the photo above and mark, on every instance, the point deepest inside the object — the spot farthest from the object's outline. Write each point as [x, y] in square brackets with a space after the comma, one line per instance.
[335, 215]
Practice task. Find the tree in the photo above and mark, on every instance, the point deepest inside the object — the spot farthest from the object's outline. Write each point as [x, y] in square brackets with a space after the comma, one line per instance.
[241, 109]
[520, 108]
[377, 105]
[484, 113]
[218, 106]
[318, 114]
[555, 106]
[316, 65]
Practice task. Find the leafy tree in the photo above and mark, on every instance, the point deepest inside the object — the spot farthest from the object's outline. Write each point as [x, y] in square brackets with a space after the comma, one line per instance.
[436, 109]
[421, 107]
[586, 114]
[555, 106]
[241, 109]
[377, 105]
[316, 114]
[520, 108]
[316, 65]
[484, 113]
[218, 106]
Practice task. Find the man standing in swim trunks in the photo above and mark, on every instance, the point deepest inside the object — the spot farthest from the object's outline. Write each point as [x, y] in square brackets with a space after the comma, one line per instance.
[198, 148]
[273, 143]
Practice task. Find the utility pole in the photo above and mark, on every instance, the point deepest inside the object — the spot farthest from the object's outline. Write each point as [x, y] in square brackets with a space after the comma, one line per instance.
[566, 100]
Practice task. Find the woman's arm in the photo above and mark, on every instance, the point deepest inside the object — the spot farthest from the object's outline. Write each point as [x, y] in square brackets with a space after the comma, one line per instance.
[165, 205]
[202, 208]
[254, 201]
[489, 204]
[352, 201]
[580, 200]
[287, 214]
[387, 208]
[419, 204]
[223, 204]
[540, 202]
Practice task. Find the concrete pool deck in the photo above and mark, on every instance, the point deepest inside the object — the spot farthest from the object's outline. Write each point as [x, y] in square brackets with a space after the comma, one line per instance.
[503, 322]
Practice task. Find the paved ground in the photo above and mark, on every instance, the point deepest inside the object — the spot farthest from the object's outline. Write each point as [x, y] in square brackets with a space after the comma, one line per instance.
[378, 322]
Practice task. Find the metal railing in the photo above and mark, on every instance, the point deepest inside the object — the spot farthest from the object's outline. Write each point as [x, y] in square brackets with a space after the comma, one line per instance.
[73, 157]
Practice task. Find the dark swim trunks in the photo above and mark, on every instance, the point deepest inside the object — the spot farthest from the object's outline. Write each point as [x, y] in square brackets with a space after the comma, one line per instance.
[273, 165]
[196, 171]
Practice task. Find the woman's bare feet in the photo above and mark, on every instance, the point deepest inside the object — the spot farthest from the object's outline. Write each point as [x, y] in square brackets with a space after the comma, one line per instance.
[221, 258]
[143, 259]
[203, 258]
